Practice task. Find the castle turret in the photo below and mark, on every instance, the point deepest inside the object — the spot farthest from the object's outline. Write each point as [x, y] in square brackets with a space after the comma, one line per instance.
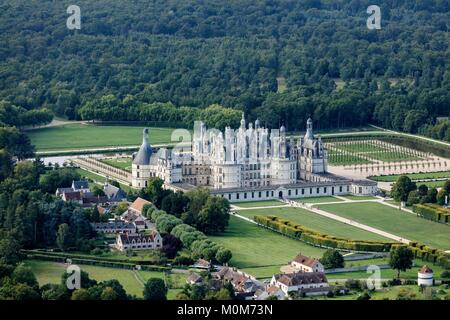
[145, 151]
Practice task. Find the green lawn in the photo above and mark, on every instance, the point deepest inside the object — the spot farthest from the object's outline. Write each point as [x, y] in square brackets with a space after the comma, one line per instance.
[120, 163]
[340, 159]
[318, 199]
[265, 203]
[316, 222]
[351, 197]
[51, 272]
[390, 273]
[85, 136]
[414, 176]
[397, 222]
[254, 246]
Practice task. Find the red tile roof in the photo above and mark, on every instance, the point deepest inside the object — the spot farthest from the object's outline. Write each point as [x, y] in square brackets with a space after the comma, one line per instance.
[138, 204]
[425, 269]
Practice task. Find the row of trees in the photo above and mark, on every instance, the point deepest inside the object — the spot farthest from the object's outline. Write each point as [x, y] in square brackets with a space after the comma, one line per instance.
[197, 207]
[405, 190]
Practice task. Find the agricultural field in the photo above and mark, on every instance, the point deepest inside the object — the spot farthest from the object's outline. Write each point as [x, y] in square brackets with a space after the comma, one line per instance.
[397, 222]
[51, 272]
[88, 136]
[254, 246]
[353, 151]
[120, 163]
[316, 222]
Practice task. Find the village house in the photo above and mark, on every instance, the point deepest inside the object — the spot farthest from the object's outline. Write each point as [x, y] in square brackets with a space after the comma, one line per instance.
[194, 279]
[306, 264]
[201, 264]
[269, 291]
[115, 226]
[308, 283]
[113, 193]
[244, 284]
[126, 241]
[134, 214]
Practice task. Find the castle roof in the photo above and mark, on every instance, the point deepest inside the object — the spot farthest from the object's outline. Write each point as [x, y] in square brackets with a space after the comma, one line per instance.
[145, 151]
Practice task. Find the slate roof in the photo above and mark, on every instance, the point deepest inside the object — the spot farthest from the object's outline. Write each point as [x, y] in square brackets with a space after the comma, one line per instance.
[145, 151]
[81, 184]
[128, 239]
[114, 193]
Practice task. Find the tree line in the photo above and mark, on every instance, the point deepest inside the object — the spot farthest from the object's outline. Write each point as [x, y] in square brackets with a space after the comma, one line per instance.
[193, 54]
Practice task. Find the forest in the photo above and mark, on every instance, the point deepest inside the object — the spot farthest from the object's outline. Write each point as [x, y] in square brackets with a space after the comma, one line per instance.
[280, 60]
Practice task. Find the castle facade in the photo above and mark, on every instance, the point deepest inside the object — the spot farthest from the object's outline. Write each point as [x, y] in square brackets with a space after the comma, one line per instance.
[249, 158]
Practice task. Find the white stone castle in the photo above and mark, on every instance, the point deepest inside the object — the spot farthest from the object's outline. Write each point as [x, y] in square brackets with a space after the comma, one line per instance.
[249, 163]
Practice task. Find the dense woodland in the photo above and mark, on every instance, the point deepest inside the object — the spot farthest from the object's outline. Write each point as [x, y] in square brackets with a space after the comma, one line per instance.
[280, 60]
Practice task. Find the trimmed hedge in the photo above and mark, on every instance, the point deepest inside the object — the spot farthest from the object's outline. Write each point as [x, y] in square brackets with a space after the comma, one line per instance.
[433, 255]
[92, 262]
[432, 212]
[315, 238]
[66, 255]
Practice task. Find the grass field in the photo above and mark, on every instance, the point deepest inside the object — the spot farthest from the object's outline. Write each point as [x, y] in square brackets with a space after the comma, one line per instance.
[414, 176]
[318, 199]
[252, 204]
[95, 177]
[51, 272]
[253, 246]
[316, 222]
[85, 136]
[120, 163]
[397, 222]
[351, 197]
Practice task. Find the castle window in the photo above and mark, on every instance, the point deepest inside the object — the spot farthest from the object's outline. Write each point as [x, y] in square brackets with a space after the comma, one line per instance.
[267, 193]
[303, 191]
[318, 190]
[325, 190]
[229, 196]
[259, 194]
[340, 189]
[237, 196]
[289, 192]
[245, 195]
[253, 195]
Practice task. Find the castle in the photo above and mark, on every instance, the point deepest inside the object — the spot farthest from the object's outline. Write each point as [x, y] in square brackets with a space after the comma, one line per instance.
[249, 163]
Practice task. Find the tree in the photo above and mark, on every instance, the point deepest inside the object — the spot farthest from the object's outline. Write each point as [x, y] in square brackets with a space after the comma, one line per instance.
[23, 274]
[442, 196]
[81, 294]
[423, 190]
[64, 237]
[214, 216]
[413, 198]
[9, 251]
[171, 246]
[401, 188]
[431, 196]
[155, 289]
[447, 186]
[6, 164]
[400, 259]
[223, 255]
[332, 259]
[109, 294]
